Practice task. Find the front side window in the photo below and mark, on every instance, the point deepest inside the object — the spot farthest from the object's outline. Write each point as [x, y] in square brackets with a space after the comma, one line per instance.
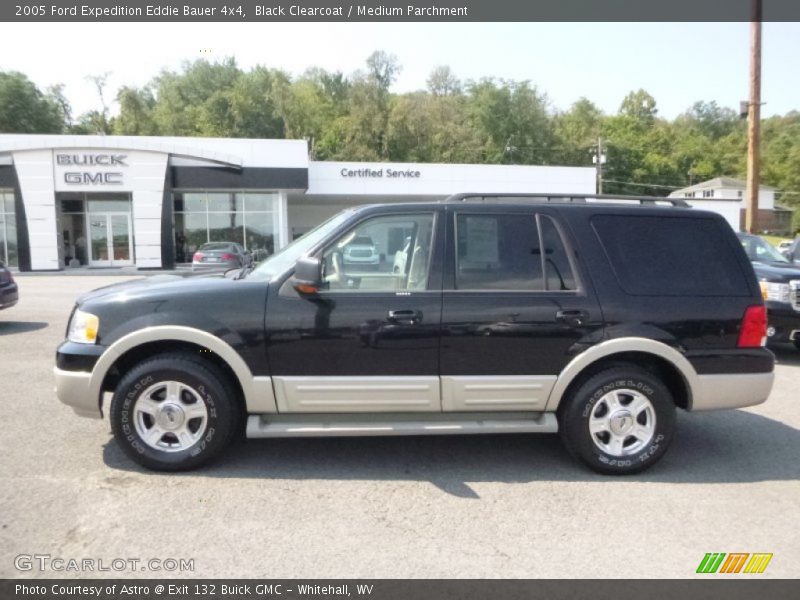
[514, 252]
[383, 254]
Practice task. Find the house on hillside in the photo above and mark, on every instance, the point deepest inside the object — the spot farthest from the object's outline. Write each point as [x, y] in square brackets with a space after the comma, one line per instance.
[726, 196]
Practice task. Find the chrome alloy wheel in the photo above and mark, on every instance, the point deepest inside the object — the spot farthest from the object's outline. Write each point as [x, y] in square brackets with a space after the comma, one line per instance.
[622, 422]
[170, 416]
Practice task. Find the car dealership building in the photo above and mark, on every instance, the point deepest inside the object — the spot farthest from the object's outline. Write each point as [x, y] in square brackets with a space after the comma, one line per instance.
[107, 201]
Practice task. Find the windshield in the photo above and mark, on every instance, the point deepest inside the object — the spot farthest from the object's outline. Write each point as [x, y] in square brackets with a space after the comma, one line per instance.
[760, 251]
[285, 258]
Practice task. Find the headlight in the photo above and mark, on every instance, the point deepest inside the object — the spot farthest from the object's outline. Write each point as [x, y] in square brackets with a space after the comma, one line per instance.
[777, 292]
[83, 328]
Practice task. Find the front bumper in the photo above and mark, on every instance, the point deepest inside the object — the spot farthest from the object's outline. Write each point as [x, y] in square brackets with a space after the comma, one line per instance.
[729, 390]
[784, 320]
[73, 388]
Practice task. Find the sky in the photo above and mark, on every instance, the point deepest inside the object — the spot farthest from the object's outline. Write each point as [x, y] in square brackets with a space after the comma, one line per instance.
[678, 63]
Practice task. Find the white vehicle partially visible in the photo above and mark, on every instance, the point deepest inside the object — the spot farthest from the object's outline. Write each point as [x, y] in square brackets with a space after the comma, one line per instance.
[362, 251]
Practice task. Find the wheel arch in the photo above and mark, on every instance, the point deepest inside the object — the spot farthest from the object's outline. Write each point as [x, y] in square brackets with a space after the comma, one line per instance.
[256, 392]
[666, 362]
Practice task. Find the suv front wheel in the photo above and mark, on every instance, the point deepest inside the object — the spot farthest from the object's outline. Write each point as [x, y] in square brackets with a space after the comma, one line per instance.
[174, 412]
[619, 421]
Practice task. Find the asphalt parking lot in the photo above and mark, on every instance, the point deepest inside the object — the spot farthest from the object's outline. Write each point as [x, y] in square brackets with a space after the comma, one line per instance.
[483, 506]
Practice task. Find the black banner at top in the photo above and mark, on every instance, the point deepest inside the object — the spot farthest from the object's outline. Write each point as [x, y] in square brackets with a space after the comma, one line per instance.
[392, 10]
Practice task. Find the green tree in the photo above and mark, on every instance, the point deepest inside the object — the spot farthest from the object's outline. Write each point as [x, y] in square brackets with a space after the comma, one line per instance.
[576, 133]
[640, 106]
[443, 82]
[511, 120]
[25, 109]
[428, 128]
[188, 101]
[361, 134]
[135, 112]
[310, 104]
[639, 149]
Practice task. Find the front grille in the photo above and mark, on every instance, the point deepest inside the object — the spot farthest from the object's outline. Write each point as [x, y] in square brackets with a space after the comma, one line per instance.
[794, 294]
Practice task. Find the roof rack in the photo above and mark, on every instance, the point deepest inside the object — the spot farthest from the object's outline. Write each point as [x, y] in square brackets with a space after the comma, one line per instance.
[568, 198]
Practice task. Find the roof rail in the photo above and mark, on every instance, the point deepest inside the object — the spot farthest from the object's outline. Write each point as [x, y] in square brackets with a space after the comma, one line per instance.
[567, 198]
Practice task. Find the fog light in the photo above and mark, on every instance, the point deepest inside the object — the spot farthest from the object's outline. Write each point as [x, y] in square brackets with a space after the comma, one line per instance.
[770, 331]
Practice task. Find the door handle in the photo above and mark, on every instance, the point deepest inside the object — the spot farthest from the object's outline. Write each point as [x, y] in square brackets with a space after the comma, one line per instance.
[572, 317]
[405, 317]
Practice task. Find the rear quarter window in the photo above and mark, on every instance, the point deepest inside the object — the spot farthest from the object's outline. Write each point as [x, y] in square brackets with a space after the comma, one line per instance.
[671, 256]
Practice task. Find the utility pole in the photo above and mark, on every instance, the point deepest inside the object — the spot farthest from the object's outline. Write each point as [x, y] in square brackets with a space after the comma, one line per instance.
[599, 159]
[754, 120]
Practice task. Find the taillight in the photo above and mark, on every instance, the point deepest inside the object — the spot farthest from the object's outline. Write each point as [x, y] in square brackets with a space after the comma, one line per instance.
[228, 256]
[198, 256]
[753, 333]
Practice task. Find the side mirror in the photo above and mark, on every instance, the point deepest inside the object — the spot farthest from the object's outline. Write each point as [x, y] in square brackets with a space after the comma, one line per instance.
[307, 278]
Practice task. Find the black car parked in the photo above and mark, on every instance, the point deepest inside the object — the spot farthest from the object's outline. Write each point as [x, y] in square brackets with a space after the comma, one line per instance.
[593, 319]
[9, 294]
[779, 279]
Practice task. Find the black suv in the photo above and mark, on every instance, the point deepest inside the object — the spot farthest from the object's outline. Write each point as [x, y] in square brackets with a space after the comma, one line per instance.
[485, 314]
[779, 279]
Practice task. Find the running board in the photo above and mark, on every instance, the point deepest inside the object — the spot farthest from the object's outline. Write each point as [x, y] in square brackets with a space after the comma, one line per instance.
[283, 426]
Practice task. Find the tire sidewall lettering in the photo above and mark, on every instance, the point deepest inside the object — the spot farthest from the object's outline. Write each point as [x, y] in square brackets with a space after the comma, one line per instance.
[127, 409]
[654, 448]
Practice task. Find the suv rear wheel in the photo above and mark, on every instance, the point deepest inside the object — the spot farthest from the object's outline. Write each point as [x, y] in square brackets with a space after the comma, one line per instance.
[619, 421]
[174, 412]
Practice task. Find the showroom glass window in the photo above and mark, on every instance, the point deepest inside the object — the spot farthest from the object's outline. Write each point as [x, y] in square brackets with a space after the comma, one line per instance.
[246, 218]
[8, 229]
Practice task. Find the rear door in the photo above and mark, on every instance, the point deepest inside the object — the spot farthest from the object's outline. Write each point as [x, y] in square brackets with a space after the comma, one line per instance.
[515, 308]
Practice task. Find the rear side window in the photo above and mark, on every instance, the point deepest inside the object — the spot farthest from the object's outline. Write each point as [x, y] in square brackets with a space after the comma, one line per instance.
[505, 252]
[670, 256]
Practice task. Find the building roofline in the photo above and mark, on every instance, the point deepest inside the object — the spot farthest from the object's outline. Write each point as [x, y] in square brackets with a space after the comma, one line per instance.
[721, 182]
[144, 144]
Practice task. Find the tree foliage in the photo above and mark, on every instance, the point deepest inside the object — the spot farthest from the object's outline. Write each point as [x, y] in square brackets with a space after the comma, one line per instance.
[25, 109]
[358, 117]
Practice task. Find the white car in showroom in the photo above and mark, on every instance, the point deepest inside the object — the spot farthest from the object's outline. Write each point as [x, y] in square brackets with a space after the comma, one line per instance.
[362, 251]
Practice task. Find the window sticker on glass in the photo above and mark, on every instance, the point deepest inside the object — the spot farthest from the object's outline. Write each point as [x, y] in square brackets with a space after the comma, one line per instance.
[482, 241]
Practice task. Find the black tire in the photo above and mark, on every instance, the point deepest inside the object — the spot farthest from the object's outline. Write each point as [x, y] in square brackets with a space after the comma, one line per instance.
[587, 399]
[212, 387]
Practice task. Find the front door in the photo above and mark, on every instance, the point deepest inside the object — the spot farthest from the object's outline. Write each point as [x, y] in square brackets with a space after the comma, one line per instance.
[110, 240]
[369, 341]
[515, 309]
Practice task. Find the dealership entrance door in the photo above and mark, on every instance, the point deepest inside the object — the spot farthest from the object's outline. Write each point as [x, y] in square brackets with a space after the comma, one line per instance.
[110, 240]
[96, 229]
